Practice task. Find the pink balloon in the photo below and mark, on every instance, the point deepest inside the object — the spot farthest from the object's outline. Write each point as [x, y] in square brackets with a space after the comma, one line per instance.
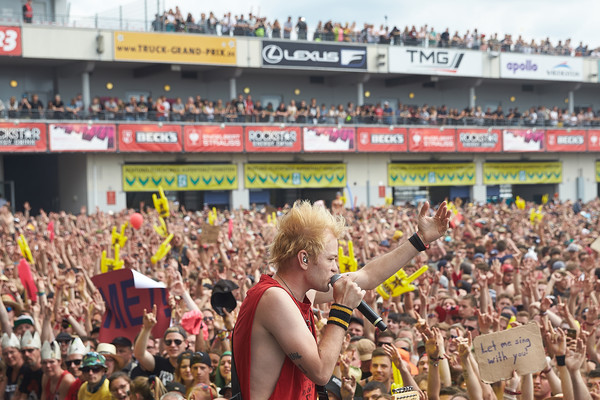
[136, 220]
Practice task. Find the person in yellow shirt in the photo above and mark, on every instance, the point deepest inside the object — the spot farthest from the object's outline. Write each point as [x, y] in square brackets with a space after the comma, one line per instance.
[93, 367]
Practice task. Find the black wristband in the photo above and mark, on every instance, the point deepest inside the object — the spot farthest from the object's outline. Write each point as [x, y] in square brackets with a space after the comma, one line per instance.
[339, 315]
[560, 361]
[416, 241]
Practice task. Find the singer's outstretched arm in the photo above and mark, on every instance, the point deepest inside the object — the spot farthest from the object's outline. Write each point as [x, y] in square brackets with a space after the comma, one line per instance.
[381, 268]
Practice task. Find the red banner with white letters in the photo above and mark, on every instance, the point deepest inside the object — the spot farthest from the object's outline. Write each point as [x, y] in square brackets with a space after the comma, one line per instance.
[273, 139]
[566, 140]
[150, 137]
[211, 138]
[23, 137]
[593, 140]
[10, 41]
[382, 139]
[478, 140]
[431, 140]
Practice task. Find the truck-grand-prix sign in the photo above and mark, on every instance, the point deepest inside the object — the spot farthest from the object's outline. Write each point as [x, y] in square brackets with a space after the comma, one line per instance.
[435, 61]
[313, 55]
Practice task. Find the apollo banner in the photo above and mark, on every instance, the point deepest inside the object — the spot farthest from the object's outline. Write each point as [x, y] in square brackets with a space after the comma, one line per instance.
[461, 174]
[293, 176]
[82, 137]
[311, 55]
[435, 61]
[522, 173]
[22, 138]
[566, 140]
[150, 138]
[478, 140]
[212, 138]
[183, 177]
[382, 139]
[539, 67]
[273, 139]
[318, 138]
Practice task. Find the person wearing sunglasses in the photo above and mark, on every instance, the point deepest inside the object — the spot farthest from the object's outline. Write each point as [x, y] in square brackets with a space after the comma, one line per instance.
[96, 387]
[75, 355]
[56, 382]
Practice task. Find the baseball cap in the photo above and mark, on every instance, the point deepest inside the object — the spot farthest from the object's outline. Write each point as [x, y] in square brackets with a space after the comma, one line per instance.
[63, 337]
[200, 357]
[558, 265]
[122, 341]
[23, 319]
[176, 329]
[365, 349]
[334, 386]
[175, 387]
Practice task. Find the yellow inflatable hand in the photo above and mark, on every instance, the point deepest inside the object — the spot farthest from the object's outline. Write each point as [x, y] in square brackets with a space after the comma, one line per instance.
[25, 250]
[163, 250]
[104, 263]
[162, 228]
[347, 263]
[545, 199]
[119, 238]
[161, 203]
[399, 283]
[520, 203]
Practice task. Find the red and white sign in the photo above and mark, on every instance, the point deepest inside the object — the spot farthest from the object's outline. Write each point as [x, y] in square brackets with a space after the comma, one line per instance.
[478, 140]
[147, 137]
[565, 140]
[329, 139]
[23, 137]
[10, 41]
[593, 140]
[273, 139]
[431, 140]
[211, 138]
[523, 140]
[382, 139]
[82, 137]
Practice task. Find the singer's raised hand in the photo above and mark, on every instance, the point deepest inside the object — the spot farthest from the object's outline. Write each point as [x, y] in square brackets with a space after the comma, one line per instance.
[346, 292]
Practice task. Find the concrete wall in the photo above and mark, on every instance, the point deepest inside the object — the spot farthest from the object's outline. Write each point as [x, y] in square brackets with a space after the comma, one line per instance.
[72, 188]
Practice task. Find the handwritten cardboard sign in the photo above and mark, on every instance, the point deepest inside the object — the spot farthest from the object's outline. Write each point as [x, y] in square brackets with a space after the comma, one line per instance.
[520, 349]
[596, 245]
[210, 234]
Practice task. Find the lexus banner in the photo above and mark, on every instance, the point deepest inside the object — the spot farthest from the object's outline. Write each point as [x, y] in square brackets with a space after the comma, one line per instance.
[142, 137]
[313, 55]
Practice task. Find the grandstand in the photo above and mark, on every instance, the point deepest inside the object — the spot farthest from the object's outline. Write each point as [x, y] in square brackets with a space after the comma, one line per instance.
[111, 160]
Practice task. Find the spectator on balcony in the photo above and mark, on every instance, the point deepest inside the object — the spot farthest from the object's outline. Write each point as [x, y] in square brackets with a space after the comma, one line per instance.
[179, 21]
[170, 22]
[281, 113]
[260, 29]
[456, 40]
[239, 108]
[313, 111]
[302, 115]
[209, 111]
[2, 109]
[581, 50]
[141, 109]
[58, 107]
[96, 109]
[276, 30]
[445, 38]
[476, 40]
[191, 111]
[158, 23]
[292, 111]
[226, 24]
[328, 32]
[219, 111]
[211, 24]
[249, 103]
[72, 110]
[130, 109]
[239, 29]
[178, 110]
[332, 115]
[111, 108]
[301, 29]
[388, 113]
[202, 24]
[259, 112]
[28, 12]
[13, 107]
[287, 28]
[163, 109]
[190, 24]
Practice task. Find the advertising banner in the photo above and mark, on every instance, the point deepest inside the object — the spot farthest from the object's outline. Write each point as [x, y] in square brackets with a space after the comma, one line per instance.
[293, 176]
[23, 137]
[435, 61]
[462, 174]
[273, 139]
[126, 294]
[211, 138]
[522, 173]
[150, 137]
[598, 173]
[82, 137]
[593, 140]
[313, 55]
[382, 139]
[175, 47]
[10, 41]
[431, 140]
[566, 140]
[329, 139]
[530, 66]
[478, 140]
[147, 178]
[523, 140]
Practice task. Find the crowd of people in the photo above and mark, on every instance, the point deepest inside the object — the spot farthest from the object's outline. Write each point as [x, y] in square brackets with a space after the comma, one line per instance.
[489, 271]
[257, 26]
[246, 110]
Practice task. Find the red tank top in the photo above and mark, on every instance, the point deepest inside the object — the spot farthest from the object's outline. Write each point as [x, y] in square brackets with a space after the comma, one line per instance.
[292, 383]
[54, 395]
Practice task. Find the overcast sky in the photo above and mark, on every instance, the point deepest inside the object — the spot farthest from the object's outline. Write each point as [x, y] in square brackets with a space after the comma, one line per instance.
[533, 19]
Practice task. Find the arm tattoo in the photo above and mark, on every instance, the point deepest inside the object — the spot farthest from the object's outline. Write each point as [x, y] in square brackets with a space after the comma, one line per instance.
[294, 356]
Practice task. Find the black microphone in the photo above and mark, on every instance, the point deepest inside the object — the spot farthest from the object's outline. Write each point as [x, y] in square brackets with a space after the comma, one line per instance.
[364, 308]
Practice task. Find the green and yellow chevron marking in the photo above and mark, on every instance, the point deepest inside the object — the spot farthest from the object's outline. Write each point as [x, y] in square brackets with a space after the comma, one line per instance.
[462, 174]
[288, 176]
[522, 173]
[147, 178]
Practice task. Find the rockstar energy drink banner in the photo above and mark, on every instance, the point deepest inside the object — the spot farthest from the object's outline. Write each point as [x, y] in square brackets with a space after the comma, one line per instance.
[177, 48]
[292, 176]
[431, 174]
[147, 178]
[522, 173]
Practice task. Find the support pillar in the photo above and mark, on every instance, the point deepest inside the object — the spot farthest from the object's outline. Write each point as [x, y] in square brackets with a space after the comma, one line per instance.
[85, 89]
[360, 91]
[232, 88]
